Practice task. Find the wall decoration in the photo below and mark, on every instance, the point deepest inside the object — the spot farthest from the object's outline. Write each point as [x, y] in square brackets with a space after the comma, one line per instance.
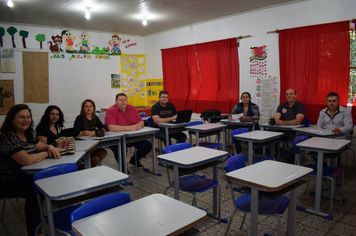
[8, 60]
[68, 41]
[35, 74]
[84, 44]
[258, 62]
[267, 98]
[40, 38]
[12, 31]
[2, 33]
[7, 99]
[154, 86]
[114, 45]
[24, 35]
[56, 46]
[133, 81]
[115, 81]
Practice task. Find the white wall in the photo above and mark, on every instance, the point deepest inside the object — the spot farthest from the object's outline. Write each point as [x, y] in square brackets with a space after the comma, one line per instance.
[70, 81]
[256, 24]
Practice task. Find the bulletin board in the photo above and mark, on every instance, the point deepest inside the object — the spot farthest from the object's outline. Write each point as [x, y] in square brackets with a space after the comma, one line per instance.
[133, 80]
[154, 86]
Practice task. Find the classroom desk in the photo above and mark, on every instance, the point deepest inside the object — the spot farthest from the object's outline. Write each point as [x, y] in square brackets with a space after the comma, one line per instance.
[139, 135]
[154, 215]
[257, 136]
[171, 128]
[235, 124]
[321, 145]
[283, 128]
[315, 132]
[48, 162]
[199, 157]
[207, 128]
[273, 176]
[75, 184]
[85, 145]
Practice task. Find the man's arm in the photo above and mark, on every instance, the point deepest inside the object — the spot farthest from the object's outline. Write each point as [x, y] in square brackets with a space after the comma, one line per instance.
[320, 121]
[158, 120]
[348, 123]
[297, 121]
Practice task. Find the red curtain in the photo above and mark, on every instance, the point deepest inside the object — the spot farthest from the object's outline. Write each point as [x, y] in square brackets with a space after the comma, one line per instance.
[315, 60]
[204, 78]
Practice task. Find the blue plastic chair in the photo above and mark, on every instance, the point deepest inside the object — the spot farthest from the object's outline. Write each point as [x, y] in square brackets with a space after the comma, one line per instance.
[100, 204]
[256, 157]
[190, 183]
[269, 207]
[61, 218]
[204, 144]
[329, 172]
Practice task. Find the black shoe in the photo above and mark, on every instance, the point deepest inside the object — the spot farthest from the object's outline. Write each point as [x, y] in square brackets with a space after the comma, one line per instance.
[132, 161]
[139, 165]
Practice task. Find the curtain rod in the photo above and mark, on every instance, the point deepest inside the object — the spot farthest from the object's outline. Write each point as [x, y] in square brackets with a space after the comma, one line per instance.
[277, 30]
[245, 36]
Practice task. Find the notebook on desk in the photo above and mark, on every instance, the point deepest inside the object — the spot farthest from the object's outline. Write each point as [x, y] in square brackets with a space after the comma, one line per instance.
[183, 117]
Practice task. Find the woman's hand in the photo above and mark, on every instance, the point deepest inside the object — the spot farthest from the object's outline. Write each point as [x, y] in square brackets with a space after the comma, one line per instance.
[53, 152]
[229, 117]
[89, 133]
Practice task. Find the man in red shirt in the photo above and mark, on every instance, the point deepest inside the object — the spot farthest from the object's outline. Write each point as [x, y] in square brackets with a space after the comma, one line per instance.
[124, 117]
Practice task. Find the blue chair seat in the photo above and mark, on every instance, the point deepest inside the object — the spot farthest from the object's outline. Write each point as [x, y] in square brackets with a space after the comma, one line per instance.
[265, 206]
[258, 158]
[196, 184]
[328, 171]
[62, 219]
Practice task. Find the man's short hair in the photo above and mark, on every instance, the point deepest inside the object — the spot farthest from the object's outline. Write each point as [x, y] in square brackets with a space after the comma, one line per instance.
[295, 91]
[120, 94]
[332, 94]
[163, 92]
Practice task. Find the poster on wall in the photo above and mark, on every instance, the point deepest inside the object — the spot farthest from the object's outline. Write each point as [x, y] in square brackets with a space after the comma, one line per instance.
[133, 80]
[115, 81]
[8, 60]
[7, 99]
[267, 99]
[154, 86]
[258, 62]
[35, 76]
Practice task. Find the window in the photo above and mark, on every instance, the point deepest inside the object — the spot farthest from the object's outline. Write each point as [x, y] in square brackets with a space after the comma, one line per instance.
[352, 83]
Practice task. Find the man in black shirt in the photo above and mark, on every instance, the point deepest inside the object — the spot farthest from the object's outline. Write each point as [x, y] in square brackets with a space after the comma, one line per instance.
[163, 112]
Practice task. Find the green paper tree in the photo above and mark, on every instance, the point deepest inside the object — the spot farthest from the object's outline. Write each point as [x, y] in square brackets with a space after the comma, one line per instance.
[24, 35]
[12, 31]
[40, 38]
[2, 33]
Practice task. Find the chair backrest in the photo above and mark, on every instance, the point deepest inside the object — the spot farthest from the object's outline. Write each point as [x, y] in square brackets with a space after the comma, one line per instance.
[238, 131]
[176, 147]
[307, 122]
[54, 171]
[100, 204]
[149, 121]
[143, 115]
[197, 122]
[235, 162]
[298, 139]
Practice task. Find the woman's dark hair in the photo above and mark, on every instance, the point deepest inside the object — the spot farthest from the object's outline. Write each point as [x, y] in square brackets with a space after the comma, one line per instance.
[45, 120]
[7, 124]
[248, 94]
[93, 116]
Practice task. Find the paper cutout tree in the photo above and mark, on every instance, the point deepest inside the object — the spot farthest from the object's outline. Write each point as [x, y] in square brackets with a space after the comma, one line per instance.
[12, 31]
[23, 34]
[2, 33]
[40, 38]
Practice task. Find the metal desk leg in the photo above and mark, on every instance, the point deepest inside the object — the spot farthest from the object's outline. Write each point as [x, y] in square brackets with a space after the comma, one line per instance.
[124, 164]
[50, 216]
[224, 139]
[176, 182]
[154, 154]
[87, 162]
[167, 136]
[254, 212]
[250, 152]
[215, 193]
[319, 172]
[119, 157]
[291, 212]
[197, 137]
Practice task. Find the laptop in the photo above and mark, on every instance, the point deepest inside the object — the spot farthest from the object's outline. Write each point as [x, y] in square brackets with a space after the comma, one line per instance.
[183, 117]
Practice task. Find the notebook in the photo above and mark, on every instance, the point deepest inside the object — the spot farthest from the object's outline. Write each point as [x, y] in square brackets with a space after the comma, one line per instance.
[183, 117]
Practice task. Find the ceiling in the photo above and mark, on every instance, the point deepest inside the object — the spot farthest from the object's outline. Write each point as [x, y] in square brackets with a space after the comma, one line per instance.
[125, 16]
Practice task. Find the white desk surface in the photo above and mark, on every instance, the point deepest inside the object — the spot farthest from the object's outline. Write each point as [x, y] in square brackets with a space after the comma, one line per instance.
[144, 130]
[237, 122]
[323, 144]
[85, 145]
[79, 182]
[269, 175]
[68, 158]
[192, 156]
[258, 135]
[172, 125]
[109, 135]
[154, 215]
[281, 127]
[315, 131]
[205, 127]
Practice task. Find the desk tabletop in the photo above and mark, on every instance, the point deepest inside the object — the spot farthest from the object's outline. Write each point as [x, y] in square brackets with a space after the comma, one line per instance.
[237, 122]
[172, 125]
[85, 145]
[154, 215]
[192, 156]
[281, 127]
[315, 131]
[323, 144]
[48, 162]
[144, 130]
[258, 135]
[80, 182]
[205, 127]
[109, 135]
[272, 175]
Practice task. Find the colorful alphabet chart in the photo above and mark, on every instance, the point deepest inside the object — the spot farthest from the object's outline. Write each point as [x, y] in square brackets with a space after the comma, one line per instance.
[154, 86]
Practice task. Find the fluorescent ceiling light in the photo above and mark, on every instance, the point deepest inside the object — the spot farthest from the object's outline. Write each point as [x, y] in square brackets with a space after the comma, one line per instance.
[87, 13]
[10, 3]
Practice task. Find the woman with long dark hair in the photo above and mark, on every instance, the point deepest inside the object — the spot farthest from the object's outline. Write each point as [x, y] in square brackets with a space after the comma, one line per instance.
[50, 125]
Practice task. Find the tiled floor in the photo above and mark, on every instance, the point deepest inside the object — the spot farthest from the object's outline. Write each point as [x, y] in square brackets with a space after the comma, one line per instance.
[343, 223]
